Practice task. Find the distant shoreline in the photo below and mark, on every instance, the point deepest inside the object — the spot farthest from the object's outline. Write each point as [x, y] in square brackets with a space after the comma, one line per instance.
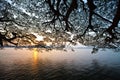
[47, 47]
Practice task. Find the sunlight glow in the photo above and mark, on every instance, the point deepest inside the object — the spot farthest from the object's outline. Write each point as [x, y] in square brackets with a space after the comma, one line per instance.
[35, 54]
[35, 60]
[39, 38]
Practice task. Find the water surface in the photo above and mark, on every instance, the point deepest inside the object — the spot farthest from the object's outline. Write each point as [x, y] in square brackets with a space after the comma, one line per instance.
[80, 64]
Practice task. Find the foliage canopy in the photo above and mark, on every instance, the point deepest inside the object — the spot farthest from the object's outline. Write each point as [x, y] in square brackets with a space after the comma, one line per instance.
[90, 22]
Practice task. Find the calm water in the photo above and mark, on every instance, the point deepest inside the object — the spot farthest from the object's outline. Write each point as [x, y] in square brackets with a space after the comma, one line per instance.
[24, 64]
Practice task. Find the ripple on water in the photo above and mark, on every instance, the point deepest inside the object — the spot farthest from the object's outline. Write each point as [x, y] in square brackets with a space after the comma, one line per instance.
[56, 67]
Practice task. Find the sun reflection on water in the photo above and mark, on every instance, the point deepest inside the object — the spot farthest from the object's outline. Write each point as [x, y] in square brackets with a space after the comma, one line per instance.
[35, 55]
[35, 60]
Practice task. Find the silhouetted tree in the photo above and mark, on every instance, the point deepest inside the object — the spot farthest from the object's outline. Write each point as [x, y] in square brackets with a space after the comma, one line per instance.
[90, 22]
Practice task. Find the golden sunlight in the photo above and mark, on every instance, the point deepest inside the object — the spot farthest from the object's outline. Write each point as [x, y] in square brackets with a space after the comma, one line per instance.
[35, 61]
[35, 55]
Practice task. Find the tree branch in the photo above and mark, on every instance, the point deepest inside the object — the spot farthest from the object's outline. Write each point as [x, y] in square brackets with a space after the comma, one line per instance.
[115, 22]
